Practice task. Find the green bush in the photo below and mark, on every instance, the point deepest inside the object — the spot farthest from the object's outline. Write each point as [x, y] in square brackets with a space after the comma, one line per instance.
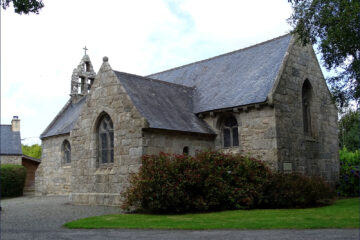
[295, 190]
[208, 182]
[12, 179]
[214, 181]
[348, 185]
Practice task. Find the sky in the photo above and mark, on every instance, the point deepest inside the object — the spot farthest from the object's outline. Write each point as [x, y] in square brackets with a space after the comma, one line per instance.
[39, 52]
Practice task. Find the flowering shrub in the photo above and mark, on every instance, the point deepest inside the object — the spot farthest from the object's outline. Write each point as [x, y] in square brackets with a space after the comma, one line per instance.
[214, 181]
[210, 181]
[348, 184]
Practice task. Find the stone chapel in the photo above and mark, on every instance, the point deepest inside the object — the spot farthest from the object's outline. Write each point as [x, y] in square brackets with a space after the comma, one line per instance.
[269, 100]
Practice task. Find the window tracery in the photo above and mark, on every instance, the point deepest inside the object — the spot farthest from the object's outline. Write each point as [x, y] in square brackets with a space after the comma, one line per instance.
[105, 140]
[230, 132]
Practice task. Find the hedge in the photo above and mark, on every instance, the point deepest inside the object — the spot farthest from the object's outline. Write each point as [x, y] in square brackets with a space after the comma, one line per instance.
[12, 179]
[213, 181]
[295, 190]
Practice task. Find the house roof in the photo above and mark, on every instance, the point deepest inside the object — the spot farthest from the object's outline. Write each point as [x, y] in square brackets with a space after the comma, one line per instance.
[65, 120]
[10, 141]
[234, 79]
[164, 105]
[170, 99]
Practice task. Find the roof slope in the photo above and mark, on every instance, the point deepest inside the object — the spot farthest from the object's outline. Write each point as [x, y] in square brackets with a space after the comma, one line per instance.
[65, 120]
[10, 141]
[164, 105]
[238, 78]
[234, 79]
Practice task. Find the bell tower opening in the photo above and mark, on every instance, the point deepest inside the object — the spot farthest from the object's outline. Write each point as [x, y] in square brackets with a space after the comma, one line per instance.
[82, 78]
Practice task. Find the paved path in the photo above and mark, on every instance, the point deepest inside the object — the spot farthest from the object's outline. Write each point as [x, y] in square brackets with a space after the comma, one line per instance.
[43, 217]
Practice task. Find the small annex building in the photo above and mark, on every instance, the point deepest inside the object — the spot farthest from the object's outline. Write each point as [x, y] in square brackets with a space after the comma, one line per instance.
[269, 100]
[11, 153]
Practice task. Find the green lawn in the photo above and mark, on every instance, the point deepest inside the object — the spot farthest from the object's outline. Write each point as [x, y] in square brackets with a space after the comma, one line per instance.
[342, 214]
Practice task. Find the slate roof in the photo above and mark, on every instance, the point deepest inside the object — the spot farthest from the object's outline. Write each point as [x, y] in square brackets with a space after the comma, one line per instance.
[10, 141]
[65, 120]
[170, 99]
[234, 79]
[164, 105]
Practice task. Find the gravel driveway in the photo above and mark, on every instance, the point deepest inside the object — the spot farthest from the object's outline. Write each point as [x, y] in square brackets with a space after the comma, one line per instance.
[43, 217]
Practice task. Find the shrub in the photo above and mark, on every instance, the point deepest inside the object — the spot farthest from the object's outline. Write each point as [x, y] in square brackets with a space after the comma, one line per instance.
[208, 182]
[348, 184]
[295, 190]
[214, 181]
[12, 179]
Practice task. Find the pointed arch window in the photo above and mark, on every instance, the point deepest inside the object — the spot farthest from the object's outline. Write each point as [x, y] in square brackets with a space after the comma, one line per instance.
[306, 106]
[230, 132]
[105, 140]
[66, 149]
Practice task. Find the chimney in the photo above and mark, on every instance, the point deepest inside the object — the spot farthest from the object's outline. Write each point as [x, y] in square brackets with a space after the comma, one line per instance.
[15, 124]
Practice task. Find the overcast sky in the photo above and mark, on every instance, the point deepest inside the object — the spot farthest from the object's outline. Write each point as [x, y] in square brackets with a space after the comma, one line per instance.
[39, 52]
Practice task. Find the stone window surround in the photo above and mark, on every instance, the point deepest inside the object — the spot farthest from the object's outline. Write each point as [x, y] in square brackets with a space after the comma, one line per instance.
[313, 135]
[220, 125]
[306, 103]
[99, 163]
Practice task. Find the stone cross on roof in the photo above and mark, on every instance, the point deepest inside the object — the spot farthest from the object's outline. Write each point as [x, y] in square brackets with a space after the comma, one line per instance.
[85, 49]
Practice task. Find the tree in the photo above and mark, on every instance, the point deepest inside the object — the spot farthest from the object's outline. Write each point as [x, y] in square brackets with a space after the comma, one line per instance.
[24, 6]
[334, 25]
[32, 151]
[349, 131]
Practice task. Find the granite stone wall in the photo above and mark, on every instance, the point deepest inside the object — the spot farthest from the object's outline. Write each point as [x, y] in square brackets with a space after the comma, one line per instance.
[156, 141]
[94, 182]
[53, 176]
[10, 159]
[256, 130]
[314, 154]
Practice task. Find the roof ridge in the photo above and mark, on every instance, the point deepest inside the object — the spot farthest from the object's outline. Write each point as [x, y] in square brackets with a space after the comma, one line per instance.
[156, 80]
[221, 55]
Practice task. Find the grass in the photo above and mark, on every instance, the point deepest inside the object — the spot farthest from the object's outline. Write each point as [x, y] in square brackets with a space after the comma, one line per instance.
[342, 214]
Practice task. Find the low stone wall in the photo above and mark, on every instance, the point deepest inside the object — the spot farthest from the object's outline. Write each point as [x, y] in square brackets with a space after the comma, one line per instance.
[10, 159]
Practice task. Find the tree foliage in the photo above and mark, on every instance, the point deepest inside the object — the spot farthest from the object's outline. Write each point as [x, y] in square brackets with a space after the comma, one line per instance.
[32, 151]
[349, 131]
[334, 25]
[24, 6]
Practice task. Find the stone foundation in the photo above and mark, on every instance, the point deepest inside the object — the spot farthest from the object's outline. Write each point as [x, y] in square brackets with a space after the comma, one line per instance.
[106, 199]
